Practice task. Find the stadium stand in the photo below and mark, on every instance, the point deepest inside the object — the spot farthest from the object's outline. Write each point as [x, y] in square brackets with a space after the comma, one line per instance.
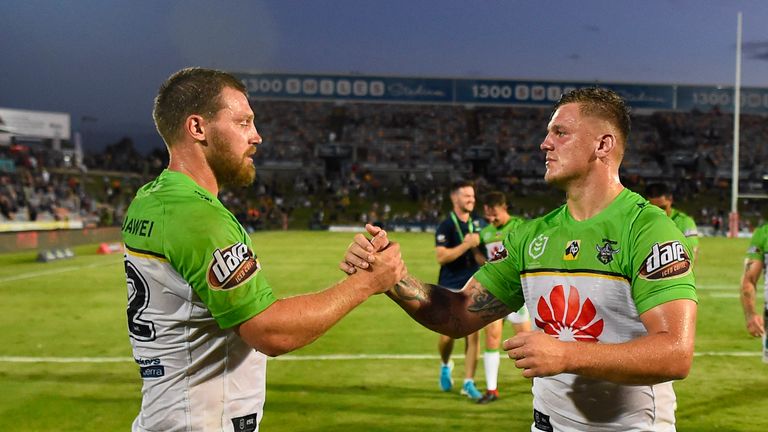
[328, 163]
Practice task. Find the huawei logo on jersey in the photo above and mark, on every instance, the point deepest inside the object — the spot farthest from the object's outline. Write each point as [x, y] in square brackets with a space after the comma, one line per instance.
[568, 319]
[231, 267]
[666, 260]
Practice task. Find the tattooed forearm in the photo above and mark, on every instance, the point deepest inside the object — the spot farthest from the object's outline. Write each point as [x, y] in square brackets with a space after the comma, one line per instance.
[485, 304]
[455, 313]
[426, 303]
[411, 288]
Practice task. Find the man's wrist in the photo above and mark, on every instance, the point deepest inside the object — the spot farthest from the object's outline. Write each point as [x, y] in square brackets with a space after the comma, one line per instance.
[363, 282]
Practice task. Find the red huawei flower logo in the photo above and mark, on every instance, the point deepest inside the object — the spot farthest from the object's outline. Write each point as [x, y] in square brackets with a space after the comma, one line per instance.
[568, 320]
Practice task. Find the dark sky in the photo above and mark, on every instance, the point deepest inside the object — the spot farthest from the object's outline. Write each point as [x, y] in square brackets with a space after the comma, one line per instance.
[105, 59]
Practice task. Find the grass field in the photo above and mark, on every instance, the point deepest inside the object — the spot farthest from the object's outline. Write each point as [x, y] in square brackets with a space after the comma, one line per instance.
[65, 361]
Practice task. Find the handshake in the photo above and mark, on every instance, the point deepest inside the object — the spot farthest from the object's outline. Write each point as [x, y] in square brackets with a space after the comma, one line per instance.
[377, 262]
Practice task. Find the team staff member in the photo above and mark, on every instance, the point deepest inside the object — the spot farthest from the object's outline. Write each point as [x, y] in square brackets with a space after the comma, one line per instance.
[659, 195]
[201, 315]
[456, 245]
[500, 224]
[606, 277]
[757, 258]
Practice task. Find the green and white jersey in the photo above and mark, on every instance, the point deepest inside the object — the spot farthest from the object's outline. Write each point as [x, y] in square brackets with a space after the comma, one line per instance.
[758, 250]
[589, 281]
[687, 226]
[192, 275]
[491, 237]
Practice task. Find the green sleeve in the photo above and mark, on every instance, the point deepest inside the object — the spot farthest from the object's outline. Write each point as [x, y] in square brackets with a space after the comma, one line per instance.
[501, 276]
[660, 260]
[202, 247]
[487, 233]
[757, 245]
[691, 232]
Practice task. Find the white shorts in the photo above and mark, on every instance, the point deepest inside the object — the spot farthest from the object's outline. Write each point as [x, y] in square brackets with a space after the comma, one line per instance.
[519, 317]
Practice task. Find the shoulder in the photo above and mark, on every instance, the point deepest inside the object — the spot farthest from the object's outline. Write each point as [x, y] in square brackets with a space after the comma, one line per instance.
[652, 218]
[635, 209]
[682, 217]
[525, 230]
[761, 230]
[760, 234]
[552, 218]
[444, 224]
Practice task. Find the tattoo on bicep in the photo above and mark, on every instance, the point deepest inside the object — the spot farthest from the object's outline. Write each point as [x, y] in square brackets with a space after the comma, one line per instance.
[484, 303]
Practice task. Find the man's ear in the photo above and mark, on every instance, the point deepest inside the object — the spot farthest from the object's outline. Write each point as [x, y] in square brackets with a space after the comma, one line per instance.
[195, 127]
[607, 145]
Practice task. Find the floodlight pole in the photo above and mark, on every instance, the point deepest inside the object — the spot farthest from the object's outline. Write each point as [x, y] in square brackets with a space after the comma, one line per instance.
[733, 220]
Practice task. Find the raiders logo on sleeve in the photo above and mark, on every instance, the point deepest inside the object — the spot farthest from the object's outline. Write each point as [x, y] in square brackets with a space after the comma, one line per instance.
[499, 255]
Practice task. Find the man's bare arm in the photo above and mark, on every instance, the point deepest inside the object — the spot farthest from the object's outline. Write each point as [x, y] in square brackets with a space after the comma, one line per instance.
[664, 354]
[294, 322]
[453, 313]
[753, 320]
[445, 255]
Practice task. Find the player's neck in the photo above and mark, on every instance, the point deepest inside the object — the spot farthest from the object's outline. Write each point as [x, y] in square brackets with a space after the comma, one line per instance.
[461, 214]
[588, 199]
[189, 161]
[503, 220]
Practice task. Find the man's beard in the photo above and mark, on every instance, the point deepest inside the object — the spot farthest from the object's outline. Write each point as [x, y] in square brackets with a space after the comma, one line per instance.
[230, 169]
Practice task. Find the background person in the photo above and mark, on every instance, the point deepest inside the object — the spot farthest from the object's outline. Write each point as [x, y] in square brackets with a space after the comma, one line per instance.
[456, 247]
[757, 256]
[661, 196]
[500, 224]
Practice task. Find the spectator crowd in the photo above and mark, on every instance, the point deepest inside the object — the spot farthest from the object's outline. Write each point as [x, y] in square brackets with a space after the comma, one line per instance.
[390, 163]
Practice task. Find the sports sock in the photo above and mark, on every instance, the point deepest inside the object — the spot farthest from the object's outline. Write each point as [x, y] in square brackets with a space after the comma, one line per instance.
[491, 360]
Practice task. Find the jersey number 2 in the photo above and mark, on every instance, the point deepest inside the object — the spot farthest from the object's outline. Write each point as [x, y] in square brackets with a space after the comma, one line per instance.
[138, 300]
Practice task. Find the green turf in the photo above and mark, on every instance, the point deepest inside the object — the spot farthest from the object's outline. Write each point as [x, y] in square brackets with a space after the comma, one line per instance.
[76, 308]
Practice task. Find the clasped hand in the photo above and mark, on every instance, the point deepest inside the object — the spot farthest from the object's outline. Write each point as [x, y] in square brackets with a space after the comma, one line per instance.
[377, 256]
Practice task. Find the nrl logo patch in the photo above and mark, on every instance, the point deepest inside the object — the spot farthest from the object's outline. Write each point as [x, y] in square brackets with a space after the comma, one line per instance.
[666, 260]
[231, 267]
[572, 249]
[606, 252]
[537, 246]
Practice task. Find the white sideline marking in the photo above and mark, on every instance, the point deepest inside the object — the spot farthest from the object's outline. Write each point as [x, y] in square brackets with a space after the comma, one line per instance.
[14, 359]
[728, 354]
[724, 295]
[40, 273]
[731, 287]
[329, 357]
